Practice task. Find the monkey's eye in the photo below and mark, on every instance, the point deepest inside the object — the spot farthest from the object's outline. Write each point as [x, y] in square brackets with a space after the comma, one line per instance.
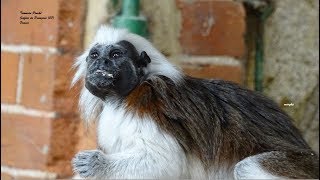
[116, 54]
[94, 55]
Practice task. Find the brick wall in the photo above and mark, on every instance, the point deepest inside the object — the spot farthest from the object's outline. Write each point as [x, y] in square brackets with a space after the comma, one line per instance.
[40, 127]
[212, 39]
[39, 121]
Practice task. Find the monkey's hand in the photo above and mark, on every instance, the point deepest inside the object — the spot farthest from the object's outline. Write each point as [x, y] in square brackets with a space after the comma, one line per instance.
[89, 163]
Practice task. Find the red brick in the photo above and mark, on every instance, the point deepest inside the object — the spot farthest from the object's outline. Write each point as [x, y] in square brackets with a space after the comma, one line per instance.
[28, 178]
[65, 99]
[38, 81]
[39, 143]
[211, 71]
[24, 141]
[63, 144]
[9, 75]
[224, 37]
[37, 32]
[5, 176]
[87, 137]
[71, 18]
[71, 21]
[9, 177]
[44, 77]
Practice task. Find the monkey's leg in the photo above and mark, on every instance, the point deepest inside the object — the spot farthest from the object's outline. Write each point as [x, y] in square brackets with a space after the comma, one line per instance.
[142, 163]
[276, 164]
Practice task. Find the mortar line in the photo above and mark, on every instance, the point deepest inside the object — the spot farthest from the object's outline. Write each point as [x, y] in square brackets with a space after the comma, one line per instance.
[25, 48]
[21, 110]
[20, 79]
[16, 172]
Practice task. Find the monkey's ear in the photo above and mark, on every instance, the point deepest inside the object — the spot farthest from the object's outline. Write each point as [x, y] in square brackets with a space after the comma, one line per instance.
[143, 60]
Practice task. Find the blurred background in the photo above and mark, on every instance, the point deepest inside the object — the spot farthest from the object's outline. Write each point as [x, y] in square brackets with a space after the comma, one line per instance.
[267, 46]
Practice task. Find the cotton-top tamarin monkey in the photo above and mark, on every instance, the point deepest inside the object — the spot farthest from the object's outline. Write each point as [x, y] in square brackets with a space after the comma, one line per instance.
[153, 121]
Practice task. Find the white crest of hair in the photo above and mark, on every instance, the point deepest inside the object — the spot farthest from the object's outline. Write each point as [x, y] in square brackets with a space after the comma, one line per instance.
[136, 147]
[250, 168]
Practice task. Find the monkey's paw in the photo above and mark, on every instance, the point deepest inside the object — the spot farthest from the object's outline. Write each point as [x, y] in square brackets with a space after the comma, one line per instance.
[89, 163]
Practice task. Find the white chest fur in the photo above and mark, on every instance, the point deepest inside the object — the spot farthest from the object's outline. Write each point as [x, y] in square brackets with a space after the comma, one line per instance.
[126, 133]
[118, 130]
[115, 129]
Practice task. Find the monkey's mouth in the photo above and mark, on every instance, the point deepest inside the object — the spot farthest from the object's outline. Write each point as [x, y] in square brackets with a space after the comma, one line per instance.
[104, 73]
[99, 79]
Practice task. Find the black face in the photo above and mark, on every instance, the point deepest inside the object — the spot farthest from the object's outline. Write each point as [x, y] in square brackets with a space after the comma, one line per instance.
[114, 69]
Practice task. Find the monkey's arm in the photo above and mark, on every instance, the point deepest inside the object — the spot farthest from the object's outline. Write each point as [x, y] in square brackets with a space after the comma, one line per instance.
[89, 163]
[149, 161]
